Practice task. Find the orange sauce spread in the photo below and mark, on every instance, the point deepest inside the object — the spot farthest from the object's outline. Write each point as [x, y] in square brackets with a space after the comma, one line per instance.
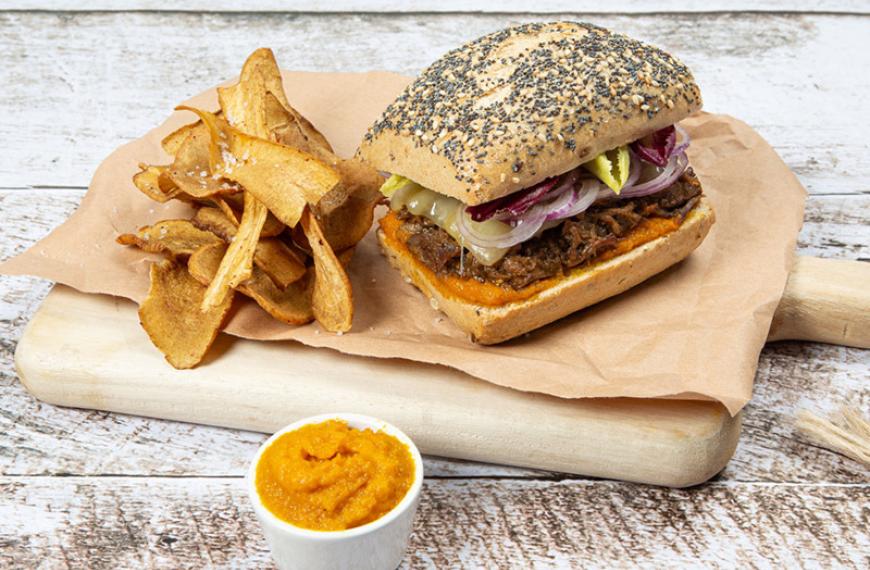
[329, 476]
[493, 295]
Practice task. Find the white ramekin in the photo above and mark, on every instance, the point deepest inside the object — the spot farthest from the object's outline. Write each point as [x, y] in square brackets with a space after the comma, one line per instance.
[378, 545]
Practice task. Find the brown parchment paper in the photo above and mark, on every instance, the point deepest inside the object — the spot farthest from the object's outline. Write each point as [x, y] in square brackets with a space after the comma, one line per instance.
[694, 331]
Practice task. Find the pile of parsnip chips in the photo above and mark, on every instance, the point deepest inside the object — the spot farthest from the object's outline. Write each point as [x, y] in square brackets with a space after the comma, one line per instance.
[277, 217]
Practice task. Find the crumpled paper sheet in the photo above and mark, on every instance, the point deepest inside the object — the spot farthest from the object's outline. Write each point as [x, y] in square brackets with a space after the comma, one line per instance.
[694, 331]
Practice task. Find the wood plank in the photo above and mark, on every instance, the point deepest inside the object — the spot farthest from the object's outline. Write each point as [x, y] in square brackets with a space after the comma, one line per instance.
[90, 351]
[114, 522]
[791, 376]
[78, 85]
[467, 6]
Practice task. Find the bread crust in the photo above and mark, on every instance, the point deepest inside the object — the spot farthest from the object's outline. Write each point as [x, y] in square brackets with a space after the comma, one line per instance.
[580, 289]
[512, 108]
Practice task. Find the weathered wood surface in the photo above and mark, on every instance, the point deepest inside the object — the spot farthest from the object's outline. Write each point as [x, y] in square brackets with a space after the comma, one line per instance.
[77, 86]
[122, 522]
[467, 6]
[148, 493]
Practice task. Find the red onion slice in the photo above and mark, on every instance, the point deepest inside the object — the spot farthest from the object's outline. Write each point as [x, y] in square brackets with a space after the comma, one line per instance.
[524, 230]
[675, 168]
[580, 202]
[555, 198]
[562, 202]
[684, 143]
[568, 202]
[559, 198]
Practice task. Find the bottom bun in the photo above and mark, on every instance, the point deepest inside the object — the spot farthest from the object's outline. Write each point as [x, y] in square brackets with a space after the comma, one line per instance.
[579, 289]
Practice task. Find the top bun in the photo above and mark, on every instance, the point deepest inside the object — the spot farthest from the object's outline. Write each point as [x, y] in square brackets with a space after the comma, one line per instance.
[512, 108]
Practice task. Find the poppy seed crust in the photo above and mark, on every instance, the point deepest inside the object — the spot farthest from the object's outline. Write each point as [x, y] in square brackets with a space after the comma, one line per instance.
[527, 101]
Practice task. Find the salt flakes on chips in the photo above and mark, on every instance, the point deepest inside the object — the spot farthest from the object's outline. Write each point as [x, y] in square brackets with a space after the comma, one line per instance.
[261, 177]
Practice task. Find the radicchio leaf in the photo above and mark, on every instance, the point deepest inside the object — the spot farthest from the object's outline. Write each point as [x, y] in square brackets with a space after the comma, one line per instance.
[658, 147]
[514, 204]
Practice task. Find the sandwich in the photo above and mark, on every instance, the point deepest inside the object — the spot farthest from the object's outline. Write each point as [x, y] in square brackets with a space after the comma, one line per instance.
[536, 171]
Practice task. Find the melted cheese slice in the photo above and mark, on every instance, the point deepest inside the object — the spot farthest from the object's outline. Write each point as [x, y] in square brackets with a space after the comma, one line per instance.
[443, 211]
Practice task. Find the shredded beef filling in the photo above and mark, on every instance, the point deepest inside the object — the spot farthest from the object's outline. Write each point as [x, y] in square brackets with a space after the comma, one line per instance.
[575, 242]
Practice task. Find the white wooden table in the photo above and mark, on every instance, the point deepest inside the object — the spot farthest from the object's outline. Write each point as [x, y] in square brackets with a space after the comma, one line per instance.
[83, 489]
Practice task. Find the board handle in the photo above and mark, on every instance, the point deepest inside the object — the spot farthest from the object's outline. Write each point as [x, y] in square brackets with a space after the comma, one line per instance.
[825, 300]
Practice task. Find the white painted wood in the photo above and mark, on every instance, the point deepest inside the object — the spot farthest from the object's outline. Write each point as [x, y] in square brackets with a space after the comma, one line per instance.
[89, 351]
[124, 522]
[77, 86]
[836, 227]
[789, 76]
[459, 6]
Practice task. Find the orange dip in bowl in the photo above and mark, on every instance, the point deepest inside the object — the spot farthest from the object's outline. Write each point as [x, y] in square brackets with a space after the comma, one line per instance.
[330, 476]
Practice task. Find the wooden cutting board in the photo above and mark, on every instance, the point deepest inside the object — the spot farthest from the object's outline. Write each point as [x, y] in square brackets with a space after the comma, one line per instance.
[89, 351]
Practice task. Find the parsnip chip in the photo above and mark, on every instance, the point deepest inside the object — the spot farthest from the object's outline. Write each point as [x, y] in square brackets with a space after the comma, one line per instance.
[282, 178]
[232, 206]
[226, 209]
[257, 168]
[171, 315]
[175, 237]
[344, 224]
[237, 264]
[283, 127]
[244, 104]
[291, 305]
[213, 220]
[290, 128]
[345, 256]
[346, 212]
[172, 142]
[279, 262]
[273, 226]
[262, 63]
[347, 224]
[235, 201]
[332, 298]
[204, 263]
[357, 178]
[191, 169]
[154, 182]
[271, 255]
[299, 239]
